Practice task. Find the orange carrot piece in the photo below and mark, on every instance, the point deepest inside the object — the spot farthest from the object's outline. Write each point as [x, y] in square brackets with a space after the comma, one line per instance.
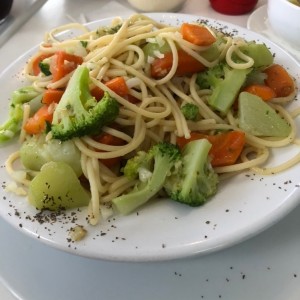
[132, 99]
[36, 62]
[97, 93]
[181, 141]
[187, 64]
[52, 96]
[197, 34]
[226, 147]
[263, 91]
[117, 85]
[108, 139]
[279, 80]
[64, 63]
[37, 123]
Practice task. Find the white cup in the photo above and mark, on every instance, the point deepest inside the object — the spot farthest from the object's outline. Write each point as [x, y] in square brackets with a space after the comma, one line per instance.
[284, 18]
[156, 5]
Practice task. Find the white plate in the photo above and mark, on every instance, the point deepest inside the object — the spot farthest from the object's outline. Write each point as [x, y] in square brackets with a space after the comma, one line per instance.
[244, 205]
[258, 22]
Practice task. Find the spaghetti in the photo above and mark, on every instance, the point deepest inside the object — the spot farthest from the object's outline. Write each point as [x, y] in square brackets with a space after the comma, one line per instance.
[156, 114]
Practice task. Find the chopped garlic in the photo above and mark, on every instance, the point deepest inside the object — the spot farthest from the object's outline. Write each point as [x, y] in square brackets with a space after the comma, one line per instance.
[160, 41]
[19, 175]
[14, 188]
[106, 211]
[144, 174]
[150, 59]
[77, 233]
[151, 40]
[158, 54]
[133, 82]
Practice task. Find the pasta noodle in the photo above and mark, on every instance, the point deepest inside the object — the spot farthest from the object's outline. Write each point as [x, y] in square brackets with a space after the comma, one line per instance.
[157, 116]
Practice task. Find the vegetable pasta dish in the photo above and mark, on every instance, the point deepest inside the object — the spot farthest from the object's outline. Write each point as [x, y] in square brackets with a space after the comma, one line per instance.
[138, 110]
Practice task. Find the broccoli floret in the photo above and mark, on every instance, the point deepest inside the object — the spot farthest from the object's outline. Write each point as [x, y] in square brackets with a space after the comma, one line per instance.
[225, 84]
[45, 68]
[211, 76]
[13, 125]
[106, 30]
[164, 156]
[196, 181]
[78, 113]
[190, 111]
[261, 55]
[141, 161]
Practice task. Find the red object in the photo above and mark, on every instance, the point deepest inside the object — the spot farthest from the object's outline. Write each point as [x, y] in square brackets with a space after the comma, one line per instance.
[108, 139]
[187, 64]
[233, 7]
[226, 147]
[52, 96]
[37, 123]
[63, 63]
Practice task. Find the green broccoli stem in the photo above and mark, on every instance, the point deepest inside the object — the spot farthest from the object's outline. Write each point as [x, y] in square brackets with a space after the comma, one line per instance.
[226, 91]
[196, 182]
[13, 125]
[195, 156]
[78, 113]
[190, 111]
[127, 203]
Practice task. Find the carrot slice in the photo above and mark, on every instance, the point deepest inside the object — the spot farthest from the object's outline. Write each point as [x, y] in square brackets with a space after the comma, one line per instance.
[52, 96]
[226, 147]
[279, 80]
[117, 85]
[263, 91]
[64, 63]
[181, 141]
[97, 93]
[36, 62]
[187, 64]
[197, 34]
[132, 99]
[37, 123]
[108, 139]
